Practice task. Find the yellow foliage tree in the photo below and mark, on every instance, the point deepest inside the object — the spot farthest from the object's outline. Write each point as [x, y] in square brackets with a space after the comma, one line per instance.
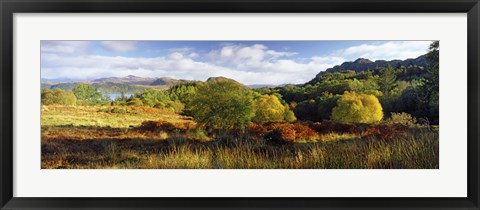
[357, 108]
[269, 109]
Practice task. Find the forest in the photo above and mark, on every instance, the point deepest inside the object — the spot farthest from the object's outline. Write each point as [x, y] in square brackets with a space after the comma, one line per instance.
[384, 117]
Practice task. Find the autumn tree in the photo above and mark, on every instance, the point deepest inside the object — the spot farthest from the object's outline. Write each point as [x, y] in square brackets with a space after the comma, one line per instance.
[290, 116]
[222, 105]
[58, 96]
[269, 109]
[357, 108]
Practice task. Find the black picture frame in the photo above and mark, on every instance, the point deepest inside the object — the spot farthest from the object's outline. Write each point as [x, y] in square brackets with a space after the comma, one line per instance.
[10, 7]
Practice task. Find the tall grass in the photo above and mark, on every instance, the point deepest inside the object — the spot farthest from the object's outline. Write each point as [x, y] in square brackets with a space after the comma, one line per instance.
[99, 138]
[417, 150]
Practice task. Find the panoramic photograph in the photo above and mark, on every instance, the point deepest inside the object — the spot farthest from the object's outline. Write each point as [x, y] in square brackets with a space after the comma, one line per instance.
[239, 104]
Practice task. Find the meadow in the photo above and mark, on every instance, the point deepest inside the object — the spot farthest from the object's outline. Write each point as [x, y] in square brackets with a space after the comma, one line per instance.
[139, 137]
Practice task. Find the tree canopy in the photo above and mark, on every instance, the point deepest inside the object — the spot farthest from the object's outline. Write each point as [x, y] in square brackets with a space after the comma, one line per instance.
[222, 105]
[357, 108]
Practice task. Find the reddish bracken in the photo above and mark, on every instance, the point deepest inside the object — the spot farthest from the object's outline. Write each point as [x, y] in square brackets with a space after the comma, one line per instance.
[385, 131]
[289, 132]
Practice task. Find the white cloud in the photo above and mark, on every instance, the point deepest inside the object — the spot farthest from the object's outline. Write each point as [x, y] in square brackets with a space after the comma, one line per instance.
[193, 55]
[254, 64]
[181, 49]
[65, 47]
[120, 46]
[175, 65]
[256, 56]
[331, 60]
[387, 51]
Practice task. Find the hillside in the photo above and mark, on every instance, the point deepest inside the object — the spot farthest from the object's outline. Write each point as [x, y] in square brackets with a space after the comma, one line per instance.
[167, 81]
[362, 64]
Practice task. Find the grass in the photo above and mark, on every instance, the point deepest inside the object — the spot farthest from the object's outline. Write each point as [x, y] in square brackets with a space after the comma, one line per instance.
[100, 140]
[99, 117]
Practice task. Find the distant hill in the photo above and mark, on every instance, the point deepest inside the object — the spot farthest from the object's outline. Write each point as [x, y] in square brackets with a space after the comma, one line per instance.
[219, 79]
[57, 80]
[363, 64]
[130, 79]
[105, 87]
[262, 86]
[167, 81]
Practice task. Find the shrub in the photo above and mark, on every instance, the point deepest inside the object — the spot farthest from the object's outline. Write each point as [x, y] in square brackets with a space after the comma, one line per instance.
[402, 119]
[135, 102]
[176, 106]
[288, 132]
[197, 134]
[357, 108]
[57, 96]
[385, 131]
[328, 126]
[275, 137]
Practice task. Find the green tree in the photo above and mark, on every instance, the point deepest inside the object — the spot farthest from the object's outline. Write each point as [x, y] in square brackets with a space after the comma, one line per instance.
[432, 59]
[222, 105]
[269, 109]
[387, 80]
[90, 95]
[357, 108]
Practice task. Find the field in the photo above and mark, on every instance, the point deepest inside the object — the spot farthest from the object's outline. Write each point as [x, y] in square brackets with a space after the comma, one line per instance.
[94, 137]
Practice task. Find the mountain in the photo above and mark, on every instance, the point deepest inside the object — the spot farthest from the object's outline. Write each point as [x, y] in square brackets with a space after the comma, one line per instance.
[363, 64]
[130, 79]
[219, 79]
[57, 80]
[167, 81]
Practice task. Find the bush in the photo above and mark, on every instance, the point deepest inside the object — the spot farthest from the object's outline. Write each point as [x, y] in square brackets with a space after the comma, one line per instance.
[57, 96]
[385, 131]
[135, 102]
[176, 106]
[357, 108]
[402, 119]
[328, 126]
[197, 134]
[275, 137]
[288, 132]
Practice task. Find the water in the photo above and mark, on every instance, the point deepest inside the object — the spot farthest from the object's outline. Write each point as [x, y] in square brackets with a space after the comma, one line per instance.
[114, 96]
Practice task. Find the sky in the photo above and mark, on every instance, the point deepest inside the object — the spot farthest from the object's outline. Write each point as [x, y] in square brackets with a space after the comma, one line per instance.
[249, 62]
